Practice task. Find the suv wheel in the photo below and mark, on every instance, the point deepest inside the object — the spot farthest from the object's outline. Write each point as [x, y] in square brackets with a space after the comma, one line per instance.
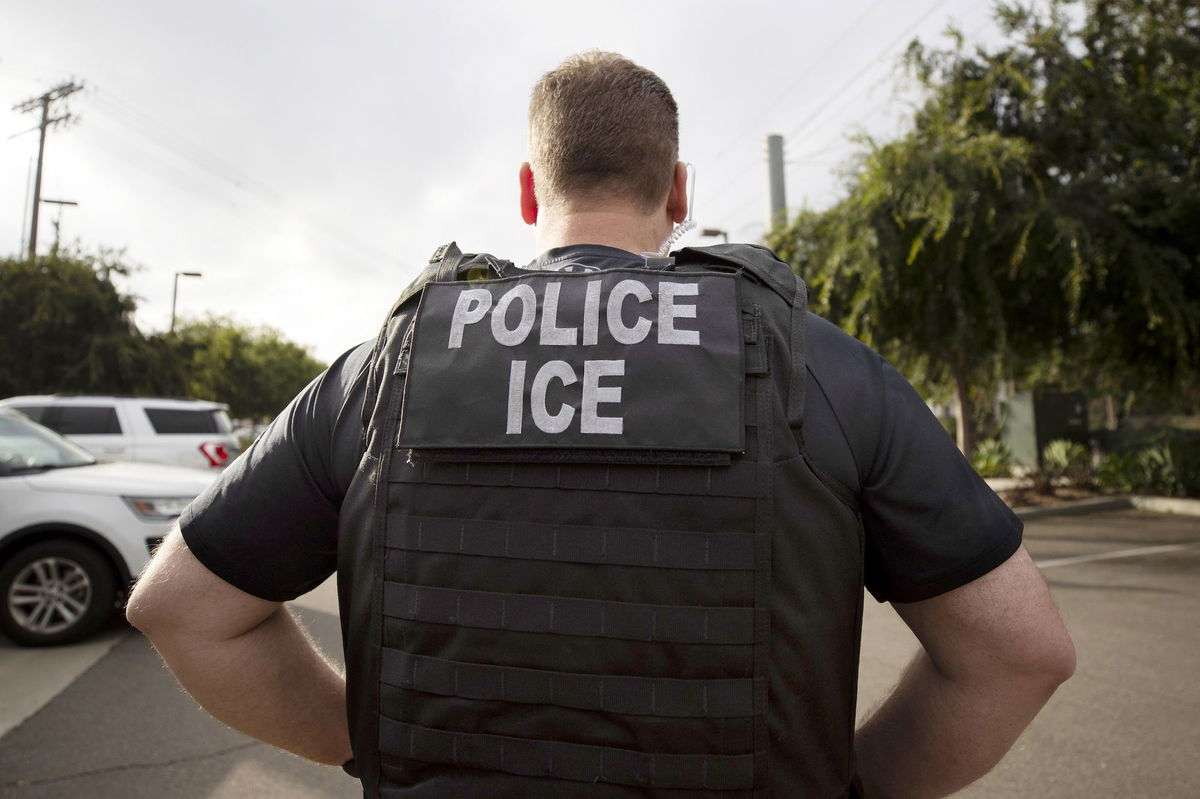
[55, 592]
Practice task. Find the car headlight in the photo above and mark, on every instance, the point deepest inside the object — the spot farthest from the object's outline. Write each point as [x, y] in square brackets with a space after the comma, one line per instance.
[158, 507]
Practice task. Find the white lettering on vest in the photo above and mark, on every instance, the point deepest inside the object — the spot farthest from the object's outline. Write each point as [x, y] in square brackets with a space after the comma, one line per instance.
[668, 312]
[616, 299]
[594, 394]
[551, 333]
[511, 338]
[545, 421]
[591, 313]
[472, 305]
[516, 396]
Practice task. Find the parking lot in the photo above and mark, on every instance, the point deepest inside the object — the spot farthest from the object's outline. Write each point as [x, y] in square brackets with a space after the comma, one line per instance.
[104, 719]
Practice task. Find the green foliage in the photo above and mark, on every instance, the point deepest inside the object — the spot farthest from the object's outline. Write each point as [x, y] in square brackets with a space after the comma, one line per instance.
[255, 370]
[925, 258]
[1036, 220]
[65, 326]
[1111, 107]
[1070, 460]
[992, 458]
[1168, 467]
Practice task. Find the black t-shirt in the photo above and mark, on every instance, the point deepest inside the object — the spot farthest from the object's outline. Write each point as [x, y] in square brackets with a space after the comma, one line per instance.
[269, 524]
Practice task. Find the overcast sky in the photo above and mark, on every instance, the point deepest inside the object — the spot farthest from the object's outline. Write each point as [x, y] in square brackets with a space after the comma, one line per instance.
[307, 156]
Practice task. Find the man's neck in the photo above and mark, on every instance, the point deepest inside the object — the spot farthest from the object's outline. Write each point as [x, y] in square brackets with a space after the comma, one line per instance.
[633, 232]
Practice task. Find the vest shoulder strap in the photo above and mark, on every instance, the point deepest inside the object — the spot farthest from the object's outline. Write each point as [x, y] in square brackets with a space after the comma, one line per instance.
[758, 262]
[448, 263]
[762, 265]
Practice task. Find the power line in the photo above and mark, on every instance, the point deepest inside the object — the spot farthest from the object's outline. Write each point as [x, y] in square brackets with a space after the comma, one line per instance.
[803, 74]
[865, 68]
[226, 172]
[837, 95]
[867, 90]
[840, 92]
[738, 177]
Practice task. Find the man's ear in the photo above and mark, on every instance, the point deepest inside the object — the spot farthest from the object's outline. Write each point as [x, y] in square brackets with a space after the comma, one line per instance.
[677, 198]
[529, 203]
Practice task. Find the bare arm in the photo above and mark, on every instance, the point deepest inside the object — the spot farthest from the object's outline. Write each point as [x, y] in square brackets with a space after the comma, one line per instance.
[244, 659]
[994, 651]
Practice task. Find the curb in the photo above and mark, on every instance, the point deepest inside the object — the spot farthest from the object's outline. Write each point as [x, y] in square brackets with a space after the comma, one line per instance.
[1075, 508]
[1183, 507]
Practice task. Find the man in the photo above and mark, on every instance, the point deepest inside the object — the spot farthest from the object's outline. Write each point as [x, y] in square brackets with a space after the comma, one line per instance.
[621, 546]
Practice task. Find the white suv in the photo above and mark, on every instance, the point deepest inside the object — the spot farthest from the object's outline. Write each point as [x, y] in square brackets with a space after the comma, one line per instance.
[74, 532]
[181, 432]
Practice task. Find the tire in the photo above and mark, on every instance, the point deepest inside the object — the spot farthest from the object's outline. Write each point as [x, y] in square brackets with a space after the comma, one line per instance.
[55, 592]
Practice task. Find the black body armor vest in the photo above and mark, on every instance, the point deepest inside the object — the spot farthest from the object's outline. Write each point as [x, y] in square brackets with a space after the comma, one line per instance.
[586, 554]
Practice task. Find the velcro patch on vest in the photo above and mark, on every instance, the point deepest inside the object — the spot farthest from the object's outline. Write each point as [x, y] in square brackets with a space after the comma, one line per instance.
[617, 360]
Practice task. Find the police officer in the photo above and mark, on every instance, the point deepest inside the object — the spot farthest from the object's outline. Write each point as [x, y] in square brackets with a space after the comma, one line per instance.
[602, 523]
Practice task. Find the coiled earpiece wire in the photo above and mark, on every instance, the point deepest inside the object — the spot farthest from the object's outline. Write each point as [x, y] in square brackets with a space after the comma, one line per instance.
[688, 223]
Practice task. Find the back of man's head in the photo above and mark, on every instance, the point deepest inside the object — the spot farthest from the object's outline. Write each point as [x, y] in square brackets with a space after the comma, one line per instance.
[602, 128]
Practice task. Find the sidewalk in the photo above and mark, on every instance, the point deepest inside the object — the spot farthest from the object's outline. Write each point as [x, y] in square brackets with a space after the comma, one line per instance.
[1178, 505]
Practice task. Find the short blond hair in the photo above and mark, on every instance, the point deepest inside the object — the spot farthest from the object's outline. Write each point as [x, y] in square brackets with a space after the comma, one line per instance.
[602, 126]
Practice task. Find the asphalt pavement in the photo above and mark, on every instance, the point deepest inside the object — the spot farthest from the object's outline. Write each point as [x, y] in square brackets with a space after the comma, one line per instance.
[107, 720]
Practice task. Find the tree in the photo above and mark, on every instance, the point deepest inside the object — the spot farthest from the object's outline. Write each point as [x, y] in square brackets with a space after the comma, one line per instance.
[255, 370]
[924, 259]
[1110, 107]
[66, 327]
[1038, 215]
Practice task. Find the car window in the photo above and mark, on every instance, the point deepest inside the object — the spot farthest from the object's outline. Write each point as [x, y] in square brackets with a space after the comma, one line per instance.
[26, 446]
[168, 421]
[84, 420]
[35, 412]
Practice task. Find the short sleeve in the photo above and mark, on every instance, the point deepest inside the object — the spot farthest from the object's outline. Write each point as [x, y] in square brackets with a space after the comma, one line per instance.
[268, 525]
[931, 524]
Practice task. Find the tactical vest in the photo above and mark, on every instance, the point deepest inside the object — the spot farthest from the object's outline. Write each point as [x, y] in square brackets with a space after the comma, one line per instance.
[586, 553]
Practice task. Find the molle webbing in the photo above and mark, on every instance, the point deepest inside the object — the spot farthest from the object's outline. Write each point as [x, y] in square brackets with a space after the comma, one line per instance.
[737, 480]
[568, 761]
[432, 524]
[639, 696]
[556, 615]
[573, 543]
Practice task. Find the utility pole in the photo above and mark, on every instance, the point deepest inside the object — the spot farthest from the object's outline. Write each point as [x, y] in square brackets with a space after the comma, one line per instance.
[175, 295]
[44, 102]
[777, 208]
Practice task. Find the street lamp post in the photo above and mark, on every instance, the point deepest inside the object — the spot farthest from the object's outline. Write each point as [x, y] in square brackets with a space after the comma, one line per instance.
[175, 293]
[712, 231]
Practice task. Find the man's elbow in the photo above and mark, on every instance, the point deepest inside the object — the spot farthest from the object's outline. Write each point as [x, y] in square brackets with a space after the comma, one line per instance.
[1060, 663]
[145, 611]
[1046, 665]
[153, 605]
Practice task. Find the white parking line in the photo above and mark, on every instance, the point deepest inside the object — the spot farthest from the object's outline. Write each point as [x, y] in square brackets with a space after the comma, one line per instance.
[1050, 563]
[29, 678]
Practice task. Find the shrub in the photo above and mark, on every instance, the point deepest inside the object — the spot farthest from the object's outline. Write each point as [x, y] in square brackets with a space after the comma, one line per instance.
[992, 458]
[1170, 467]
[1121, 471]
[1067, 459]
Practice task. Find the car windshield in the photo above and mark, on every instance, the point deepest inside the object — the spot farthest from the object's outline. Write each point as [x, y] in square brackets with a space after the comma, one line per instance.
[26, 446]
